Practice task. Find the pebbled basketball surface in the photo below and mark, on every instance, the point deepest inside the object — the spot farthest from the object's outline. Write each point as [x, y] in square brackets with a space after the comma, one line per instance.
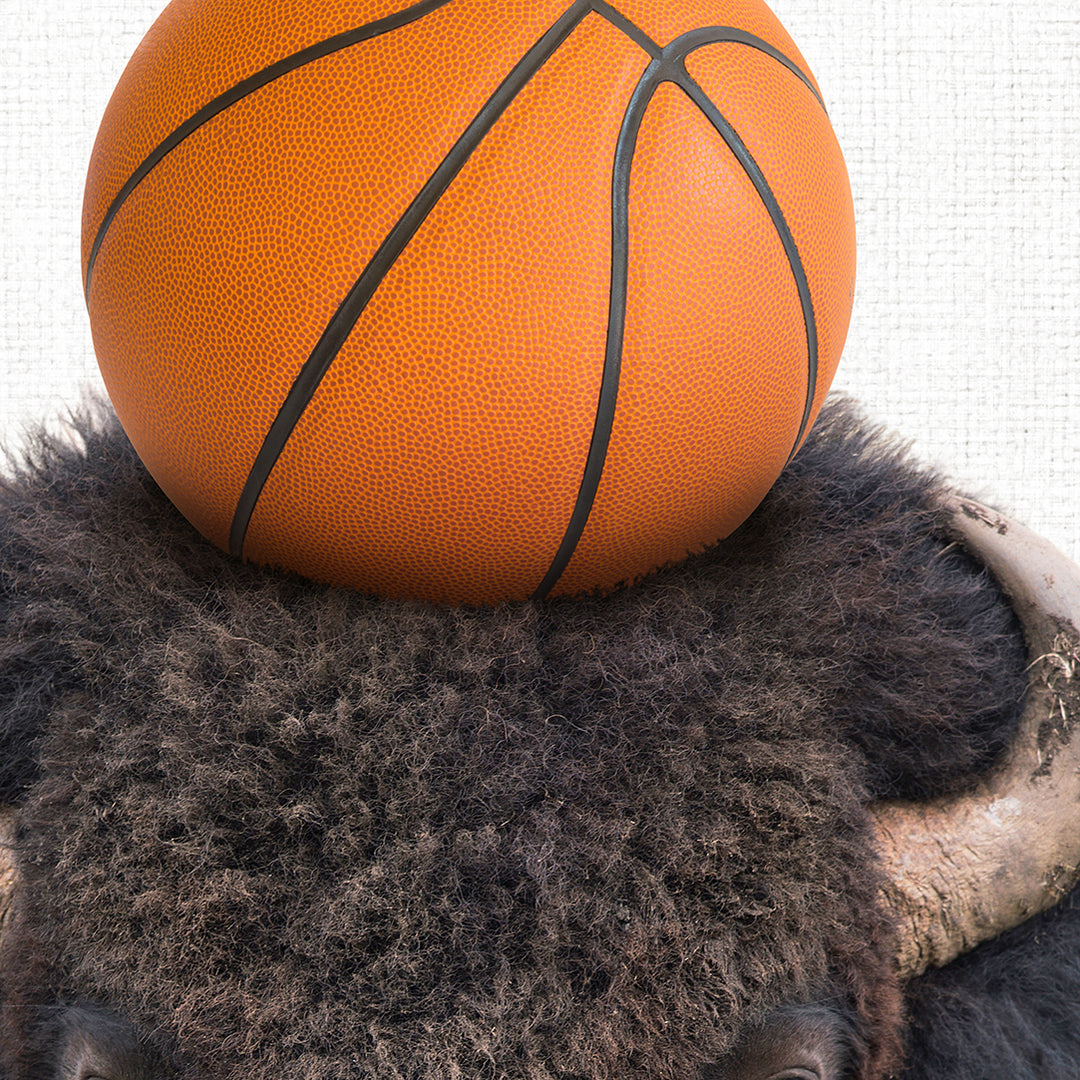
[467, 301]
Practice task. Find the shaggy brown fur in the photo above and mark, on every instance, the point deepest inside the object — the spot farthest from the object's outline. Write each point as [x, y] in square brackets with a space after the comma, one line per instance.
[296, 832]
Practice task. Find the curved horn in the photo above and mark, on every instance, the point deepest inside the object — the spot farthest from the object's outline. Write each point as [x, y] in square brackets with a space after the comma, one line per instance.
[7, 866]
[963, 870]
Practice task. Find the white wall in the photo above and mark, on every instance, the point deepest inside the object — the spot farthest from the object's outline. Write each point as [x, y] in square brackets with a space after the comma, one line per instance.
[961, 126]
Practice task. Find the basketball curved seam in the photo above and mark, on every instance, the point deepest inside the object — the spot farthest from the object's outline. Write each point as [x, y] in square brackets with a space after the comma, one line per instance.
[694, 40]
[728, 133]
[631, 30]
[242, 90]
[607, 401]
[343, 321]
[668, 65]
[734, 36]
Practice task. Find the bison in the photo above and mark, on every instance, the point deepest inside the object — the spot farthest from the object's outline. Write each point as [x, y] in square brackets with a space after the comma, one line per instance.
[804, 807]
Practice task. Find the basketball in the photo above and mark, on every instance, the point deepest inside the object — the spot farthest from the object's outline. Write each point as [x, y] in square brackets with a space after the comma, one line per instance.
[467, 301]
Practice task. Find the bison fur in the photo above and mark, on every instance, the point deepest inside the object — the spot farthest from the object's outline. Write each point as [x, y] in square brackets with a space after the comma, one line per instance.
[268, 828]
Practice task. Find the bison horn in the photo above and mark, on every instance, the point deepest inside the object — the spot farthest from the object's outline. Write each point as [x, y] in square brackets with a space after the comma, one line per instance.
[962, 870]
[7, 866]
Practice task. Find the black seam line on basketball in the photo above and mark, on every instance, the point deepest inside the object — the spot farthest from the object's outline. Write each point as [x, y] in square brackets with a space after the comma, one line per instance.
[668, 66]
[352, 307]
[632, 31]
[241, 90]
[607, 400]
[722, 35]
[772, 206]
[674, 70]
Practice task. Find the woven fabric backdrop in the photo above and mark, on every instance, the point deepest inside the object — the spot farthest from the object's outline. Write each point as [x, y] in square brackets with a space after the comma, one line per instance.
[961, 127]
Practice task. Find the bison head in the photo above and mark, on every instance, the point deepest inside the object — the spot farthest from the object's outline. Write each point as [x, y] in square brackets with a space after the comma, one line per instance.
[707, 826]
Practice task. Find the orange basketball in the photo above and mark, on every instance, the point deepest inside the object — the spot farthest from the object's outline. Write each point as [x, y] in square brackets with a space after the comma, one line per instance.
[467, 300]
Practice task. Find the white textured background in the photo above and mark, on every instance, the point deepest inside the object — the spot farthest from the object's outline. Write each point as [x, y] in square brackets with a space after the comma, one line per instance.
[961, 126]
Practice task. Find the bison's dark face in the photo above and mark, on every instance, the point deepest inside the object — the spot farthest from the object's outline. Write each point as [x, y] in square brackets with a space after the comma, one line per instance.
[704, 827]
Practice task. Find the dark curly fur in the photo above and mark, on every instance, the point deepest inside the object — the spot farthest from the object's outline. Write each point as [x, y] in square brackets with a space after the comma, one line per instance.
[294, 831]
[1008, 1010]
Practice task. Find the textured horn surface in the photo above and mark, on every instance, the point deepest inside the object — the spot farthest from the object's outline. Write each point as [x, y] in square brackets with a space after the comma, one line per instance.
[963, 870]
[7, 866]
